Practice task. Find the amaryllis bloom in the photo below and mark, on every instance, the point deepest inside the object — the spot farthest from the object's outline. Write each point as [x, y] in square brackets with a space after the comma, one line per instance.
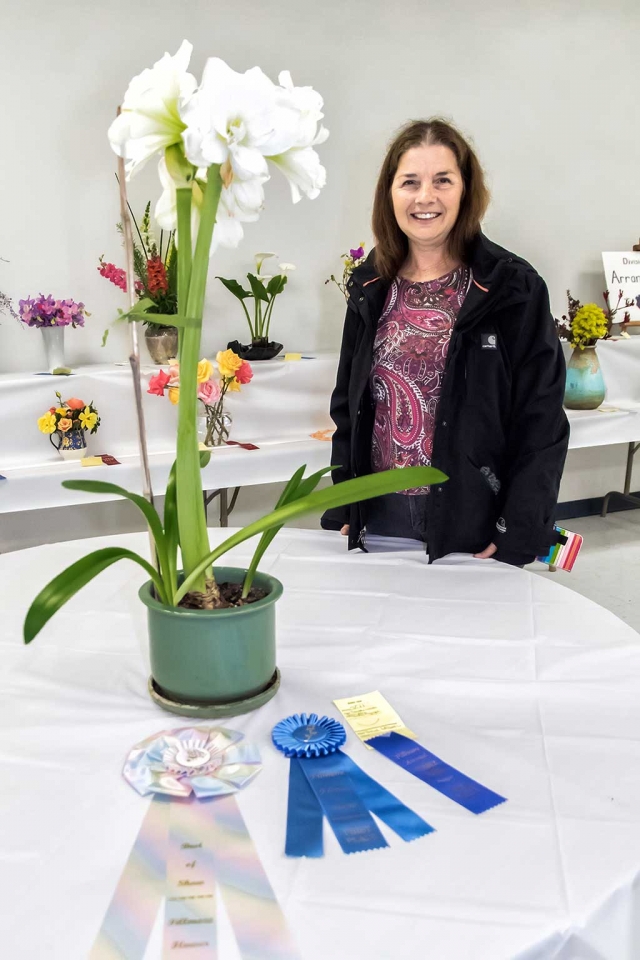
[73, 403]
[150, 120]
[209, 392]
[244, 373]
[299, 162]
[158, 382]
[230, 120]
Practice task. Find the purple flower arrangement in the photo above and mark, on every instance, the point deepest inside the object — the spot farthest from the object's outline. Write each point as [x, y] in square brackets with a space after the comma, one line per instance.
[47, 312]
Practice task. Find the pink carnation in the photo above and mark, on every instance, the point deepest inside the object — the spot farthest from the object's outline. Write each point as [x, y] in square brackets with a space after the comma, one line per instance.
[244, 373]
[209, 392]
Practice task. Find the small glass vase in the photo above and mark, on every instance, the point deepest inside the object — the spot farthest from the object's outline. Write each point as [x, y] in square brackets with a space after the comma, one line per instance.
[213, 427]
[53, 338]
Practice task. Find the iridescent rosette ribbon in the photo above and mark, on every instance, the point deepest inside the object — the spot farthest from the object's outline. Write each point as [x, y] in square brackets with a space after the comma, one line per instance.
[193, 846]
[325, 782]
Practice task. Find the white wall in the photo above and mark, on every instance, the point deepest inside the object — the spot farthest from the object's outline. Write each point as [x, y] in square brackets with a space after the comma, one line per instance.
[548, 91]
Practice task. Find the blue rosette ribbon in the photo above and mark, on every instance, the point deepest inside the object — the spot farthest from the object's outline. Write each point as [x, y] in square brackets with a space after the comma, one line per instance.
[324, 782]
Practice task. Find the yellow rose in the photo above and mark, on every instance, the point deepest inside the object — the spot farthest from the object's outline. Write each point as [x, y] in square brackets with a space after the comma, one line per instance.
[174, 394]
[205, 369]
[65, 424]
[234, 385]
[62, 411]
[47, 423]
[228, 362]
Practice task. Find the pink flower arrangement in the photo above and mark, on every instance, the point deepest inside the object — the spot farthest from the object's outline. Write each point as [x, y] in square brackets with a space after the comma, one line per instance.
[47, 312]
[213, 385]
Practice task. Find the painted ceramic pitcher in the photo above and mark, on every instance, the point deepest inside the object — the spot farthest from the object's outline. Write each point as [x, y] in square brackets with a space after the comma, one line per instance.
[71, 445]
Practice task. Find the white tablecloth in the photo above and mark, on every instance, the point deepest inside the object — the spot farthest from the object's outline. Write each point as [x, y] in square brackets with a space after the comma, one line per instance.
[520, 683]
[286, 402]
[278, 411]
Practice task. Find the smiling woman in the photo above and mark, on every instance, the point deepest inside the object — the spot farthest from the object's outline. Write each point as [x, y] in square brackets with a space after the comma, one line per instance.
[449, 358]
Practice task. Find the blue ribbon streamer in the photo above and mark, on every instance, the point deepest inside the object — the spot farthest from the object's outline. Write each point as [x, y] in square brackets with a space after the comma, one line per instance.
[353, 825]
[414, 758]
[304, 816]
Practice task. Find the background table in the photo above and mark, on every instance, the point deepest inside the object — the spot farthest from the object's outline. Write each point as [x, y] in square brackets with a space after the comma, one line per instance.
[519, 682]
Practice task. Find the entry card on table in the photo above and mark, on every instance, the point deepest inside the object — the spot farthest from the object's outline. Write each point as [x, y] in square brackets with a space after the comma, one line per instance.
[370, 715]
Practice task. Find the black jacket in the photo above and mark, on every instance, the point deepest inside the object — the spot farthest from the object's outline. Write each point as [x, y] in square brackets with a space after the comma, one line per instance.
[501, 434]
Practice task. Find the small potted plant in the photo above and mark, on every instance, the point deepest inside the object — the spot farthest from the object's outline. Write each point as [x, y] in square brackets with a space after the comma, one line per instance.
[229, 373]
[350, 261]
[67, 423]
[264, 290]
[52, 316]
[212, 640]
[155, 263]
[582, 326]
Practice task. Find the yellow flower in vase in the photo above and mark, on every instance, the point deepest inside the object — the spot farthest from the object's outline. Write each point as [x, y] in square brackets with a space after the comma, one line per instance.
[47, 423]
[64, 424]
[234, 385]
[88, 419]
[228, 362]
[205, 369]
[174, 395]
[62, 411]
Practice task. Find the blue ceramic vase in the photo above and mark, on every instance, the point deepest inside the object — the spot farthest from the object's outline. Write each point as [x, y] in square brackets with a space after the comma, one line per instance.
[585, 384]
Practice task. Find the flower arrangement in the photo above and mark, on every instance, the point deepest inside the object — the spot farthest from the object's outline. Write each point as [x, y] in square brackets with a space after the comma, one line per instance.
[47, 312]
[350, 261]
[264, 290]
[217, 141]
[68, 415]
[232, 372]
[583, 325]
[155, 264]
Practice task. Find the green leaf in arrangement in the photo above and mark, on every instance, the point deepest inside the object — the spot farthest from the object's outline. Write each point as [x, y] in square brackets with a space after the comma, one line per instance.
[235, 288]
[276, 285]
[350, 491]
[257, 288]
[66, 585]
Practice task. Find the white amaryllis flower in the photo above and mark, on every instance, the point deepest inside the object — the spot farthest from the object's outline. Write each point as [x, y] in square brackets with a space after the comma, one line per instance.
[235, 119]
[150, 119]
[300, 163]
[239, 203]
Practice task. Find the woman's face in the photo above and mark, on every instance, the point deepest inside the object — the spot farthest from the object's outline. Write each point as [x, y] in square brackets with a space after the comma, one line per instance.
[426, 193]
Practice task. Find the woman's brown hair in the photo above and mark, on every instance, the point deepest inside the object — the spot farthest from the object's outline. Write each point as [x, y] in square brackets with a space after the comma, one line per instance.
[392, 245]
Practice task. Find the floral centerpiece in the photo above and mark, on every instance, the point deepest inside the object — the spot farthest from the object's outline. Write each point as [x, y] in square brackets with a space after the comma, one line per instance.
[350, 261]
[155, 264]
[217, 142]
[230, 372]
[52, 316]
[582, 326]
[68, 422]
[264, 290]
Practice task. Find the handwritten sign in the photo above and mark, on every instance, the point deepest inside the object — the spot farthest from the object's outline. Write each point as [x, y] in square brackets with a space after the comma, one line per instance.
[622, 272]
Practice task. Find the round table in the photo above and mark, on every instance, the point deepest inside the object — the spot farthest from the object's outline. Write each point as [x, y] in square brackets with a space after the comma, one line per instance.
[520, 683]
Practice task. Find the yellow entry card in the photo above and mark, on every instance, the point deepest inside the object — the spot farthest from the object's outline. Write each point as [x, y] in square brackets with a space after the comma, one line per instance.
[293, 356]
[371, 715]
[91, 462]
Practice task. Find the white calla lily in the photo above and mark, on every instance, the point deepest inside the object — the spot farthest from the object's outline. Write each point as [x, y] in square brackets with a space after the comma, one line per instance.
[260, 258]
[286, 267]
[149, 120]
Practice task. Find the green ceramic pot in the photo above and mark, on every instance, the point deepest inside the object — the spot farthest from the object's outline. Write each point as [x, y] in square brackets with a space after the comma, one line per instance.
[585, 388]
[214, 658]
